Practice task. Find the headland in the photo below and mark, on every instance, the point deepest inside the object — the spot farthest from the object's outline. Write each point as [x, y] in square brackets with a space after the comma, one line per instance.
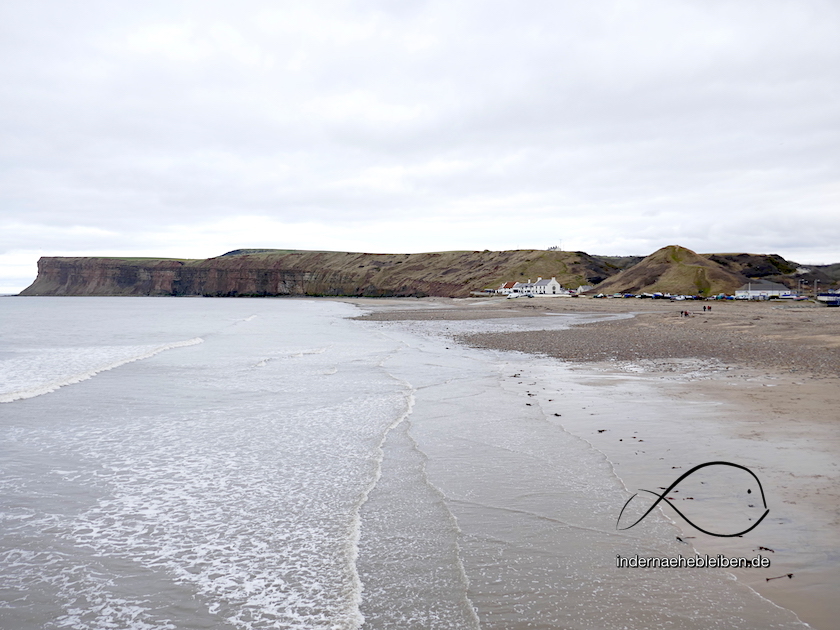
[269, 273]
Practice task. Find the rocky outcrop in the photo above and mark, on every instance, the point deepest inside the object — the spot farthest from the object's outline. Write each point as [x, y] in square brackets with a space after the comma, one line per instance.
[292, 272]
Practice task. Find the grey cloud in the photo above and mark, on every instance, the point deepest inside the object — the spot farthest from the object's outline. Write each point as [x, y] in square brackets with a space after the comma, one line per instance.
[710, 124]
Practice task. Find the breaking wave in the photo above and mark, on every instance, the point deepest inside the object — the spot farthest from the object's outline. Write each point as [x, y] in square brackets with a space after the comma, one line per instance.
[33, 373]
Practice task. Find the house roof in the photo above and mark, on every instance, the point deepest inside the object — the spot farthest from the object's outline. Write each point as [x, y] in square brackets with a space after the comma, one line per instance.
[508, 285]
[543, 282]
[764, 286]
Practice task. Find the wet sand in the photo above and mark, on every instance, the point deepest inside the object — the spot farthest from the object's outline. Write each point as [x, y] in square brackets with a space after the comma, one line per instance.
[764, 377]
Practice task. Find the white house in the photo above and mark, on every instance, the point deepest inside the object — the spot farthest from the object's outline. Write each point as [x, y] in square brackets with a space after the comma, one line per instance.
[522, 287]
[540, 287]
[506, 288]
[762, 290]
[548, 287]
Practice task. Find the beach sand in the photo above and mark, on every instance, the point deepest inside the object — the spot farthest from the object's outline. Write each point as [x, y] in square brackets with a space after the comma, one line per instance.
[753, 383]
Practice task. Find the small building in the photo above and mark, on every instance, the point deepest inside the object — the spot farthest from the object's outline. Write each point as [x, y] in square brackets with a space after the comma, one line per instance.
[548, 287]
[506, 288]
[540, 287]
[762, 290]
[522, 287]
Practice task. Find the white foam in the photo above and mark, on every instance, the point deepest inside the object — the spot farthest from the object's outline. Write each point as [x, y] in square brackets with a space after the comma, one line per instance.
[302, 353]
[355, 534]
[36, 372]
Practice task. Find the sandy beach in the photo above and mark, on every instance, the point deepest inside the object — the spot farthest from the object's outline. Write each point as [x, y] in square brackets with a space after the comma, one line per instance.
[749, 382]
[767, 335]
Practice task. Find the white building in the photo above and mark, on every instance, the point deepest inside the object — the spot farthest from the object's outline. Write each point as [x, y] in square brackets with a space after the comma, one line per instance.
[506, 288]
[522, 287]
[540, 287]
[548, 287]
[762, 290]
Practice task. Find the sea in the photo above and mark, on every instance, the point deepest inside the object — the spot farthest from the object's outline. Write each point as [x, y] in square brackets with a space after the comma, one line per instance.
[192, 463]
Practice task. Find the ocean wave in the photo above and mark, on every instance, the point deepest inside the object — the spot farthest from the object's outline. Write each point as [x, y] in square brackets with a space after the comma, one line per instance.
[36, 372]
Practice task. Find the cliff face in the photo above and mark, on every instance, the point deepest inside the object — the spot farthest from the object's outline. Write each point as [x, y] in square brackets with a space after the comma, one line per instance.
[105, 276]
[284, 272]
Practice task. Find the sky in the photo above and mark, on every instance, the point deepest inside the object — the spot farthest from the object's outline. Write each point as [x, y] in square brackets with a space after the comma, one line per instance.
[616, 127]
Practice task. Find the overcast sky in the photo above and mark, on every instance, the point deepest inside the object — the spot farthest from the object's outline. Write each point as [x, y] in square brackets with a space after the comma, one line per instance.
[187, 129]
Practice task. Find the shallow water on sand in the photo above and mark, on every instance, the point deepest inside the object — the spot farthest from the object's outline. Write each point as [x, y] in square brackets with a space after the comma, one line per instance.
[198, 463]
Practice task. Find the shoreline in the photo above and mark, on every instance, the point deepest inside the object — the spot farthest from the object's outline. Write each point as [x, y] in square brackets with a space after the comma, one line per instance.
[784, 337]
[754, 383]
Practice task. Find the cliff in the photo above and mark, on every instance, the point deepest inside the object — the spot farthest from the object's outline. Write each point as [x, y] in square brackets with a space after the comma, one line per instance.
[293, 272]
[271, 272]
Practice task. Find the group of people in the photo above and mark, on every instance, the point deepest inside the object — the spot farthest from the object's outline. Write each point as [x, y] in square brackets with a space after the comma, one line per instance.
[687, 314]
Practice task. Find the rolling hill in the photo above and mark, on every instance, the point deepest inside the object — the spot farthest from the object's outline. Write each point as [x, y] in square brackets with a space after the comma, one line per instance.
[674, 269]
